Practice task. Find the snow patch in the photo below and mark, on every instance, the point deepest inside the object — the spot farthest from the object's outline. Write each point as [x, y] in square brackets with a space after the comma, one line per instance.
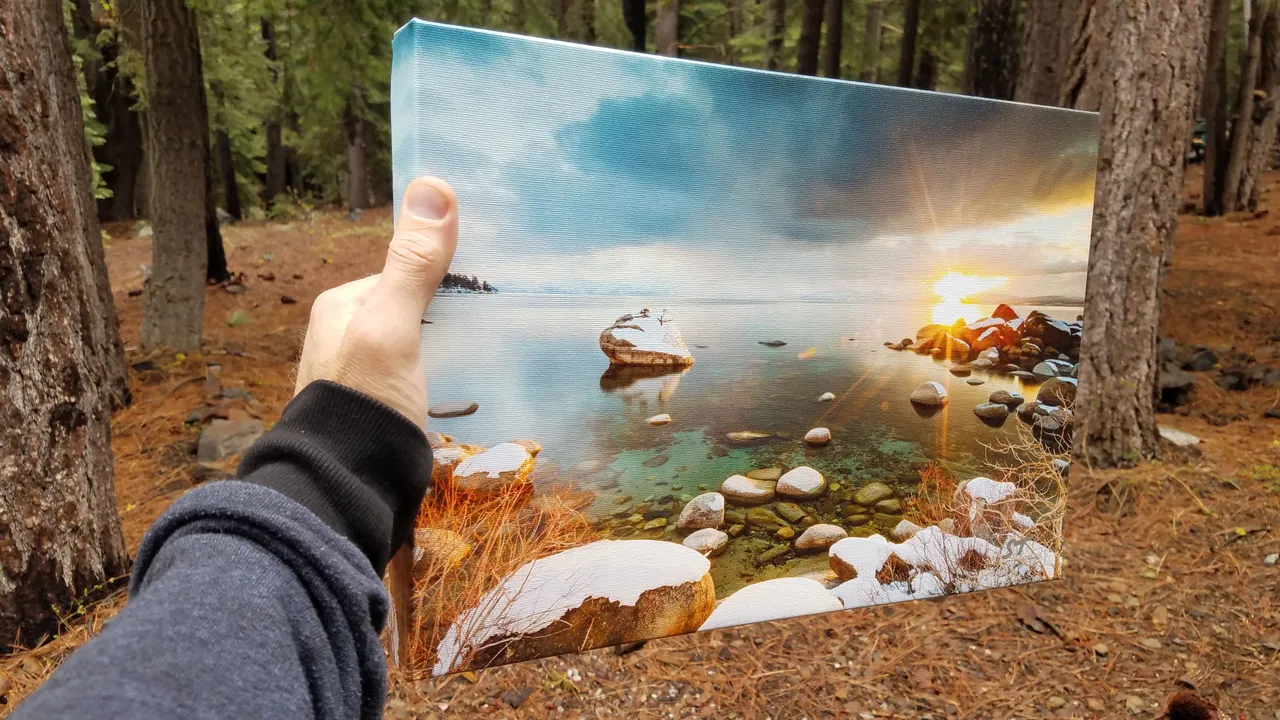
[506, 457]
[776, 599]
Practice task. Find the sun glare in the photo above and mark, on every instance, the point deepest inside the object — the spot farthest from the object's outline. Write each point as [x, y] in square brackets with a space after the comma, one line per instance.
[952, 289]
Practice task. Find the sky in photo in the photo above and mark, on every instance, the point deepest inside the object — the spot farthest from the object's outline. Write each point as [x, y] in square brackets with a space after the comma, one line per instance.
[600, 171]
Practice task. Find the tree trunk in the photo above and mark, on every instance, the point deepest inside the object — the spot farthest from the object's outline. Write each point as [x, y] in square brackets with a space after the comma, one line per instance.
[1147, 102]
[835, 38]
[1046, 43]
[1213, 108]
[59, 341]
[775, 28]
[807, 45]
[357, 183]
[735, 18]
[230, 190]
[178, 143]
[1243, 137]
[991, 62]
[927, 73]
[907, 56]
[666, 29]
[633, 14]
[274, 182]
[292, 164]
[589, 22]
[869, 70]
[562, 18]
[1266, 113]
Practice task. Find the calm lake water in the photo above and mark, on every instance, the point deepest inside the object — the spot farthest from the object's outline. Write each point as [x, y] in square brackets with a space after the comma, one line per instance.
[534, 365]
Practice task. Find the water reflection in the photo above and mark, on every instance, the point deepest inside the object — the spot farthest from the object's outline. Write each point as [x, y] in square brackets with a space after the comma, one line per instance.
[642, 383]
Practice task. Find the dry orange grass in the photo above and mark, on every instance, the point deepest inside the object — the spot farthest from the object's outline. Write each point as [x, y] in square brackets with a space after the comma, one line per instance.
[504, 533]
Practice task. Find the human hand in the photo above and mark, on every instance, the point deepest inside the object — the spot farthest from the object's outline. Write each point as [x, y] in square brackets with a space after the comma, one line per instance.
[366, 334]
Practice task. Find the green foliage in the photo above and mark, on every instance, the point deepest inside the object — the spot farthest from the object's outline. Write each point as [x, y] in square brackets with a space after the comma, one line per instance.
[95, 134]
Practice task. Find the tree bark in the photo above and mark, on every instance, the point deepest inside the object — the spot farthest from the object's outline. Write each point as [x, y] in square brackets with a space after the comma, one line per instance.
[1147, 101]
[178, 143]
[835, 38]
[59, 341]
[589, 22]
[1243, 137]
[633, 13]
[666, 29]
[1046, 44]
[1213, 108]
[927, 74]
[991, 60]
[357, 182]
[869, 70]
[907, 55]
[809, 42]
[1266, 113]
[775, 28]
[274, 182]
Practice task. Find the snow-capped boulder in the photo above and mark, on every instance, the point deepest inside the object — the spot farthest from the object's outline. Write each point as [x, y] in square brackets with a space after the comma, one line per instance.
[501, 469]
[826, 397]
[704, 511]
[772, 600]
[859, 557]
[803, 482]
[741, 490]
[931, 393]
[707, 541]
[443, 461]
[661, 419]
[608, 592]
[818, 436]
[645, 339]
[819, 537]
[862, 592]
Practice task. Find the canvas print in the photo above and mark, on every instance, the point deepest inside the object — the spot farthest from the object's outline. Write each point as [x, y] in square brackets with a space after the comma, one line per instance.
[722, 346]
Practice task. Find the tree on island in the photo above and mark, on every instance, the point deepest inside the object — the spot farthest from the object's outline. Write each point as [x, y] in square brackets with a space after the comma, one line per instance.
[457, 281]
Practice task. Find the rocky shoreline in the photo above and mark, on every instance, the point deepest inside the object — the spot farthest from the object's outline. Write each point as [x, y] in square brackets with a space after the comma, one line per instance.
[1036, 349]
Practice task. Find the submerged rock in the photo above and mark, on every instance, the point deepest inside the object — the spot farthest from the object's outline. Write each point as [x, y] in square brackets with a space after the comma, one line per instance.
[803, 482]
[704, 511]
[931, 393]
[608, 592]
[645, 339]
[707, 541]
[742, 490]
[746, 435]
[771, 474]
[872, 493]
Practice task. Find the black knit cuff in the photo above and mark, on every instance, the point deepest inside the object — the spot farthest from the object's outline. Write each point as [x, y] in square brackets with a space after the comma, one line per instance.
[359, 465]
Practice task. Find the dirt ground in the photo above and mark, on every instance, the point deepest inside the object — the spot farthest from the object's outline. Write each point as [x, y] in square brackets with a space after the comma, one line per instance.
[1165, 586]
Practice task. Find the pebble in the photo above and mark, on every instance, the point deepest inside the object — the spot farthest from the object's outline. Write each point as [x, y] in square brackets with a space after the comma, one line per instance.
[1271, 560]
[826, 397]
[662, 419]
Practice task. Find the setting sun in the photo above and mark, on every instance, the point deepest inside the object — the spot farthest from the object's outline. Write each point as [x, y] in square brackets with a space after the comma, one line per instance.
[952, 289]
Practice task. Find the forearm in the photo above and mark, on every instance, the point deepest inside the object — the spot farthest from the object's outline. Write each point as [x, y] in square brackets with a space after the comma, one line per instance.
[262, 598]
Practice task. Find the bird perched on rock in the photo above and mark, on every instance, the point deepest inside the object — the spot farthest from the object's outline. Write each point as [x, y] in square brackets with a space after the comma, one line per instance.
[1186, 705]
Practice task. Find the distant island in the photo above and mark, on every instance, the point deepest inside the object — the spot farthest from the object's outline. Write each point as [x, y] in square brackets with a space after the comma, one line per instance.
[457, 283]
[1034, 300]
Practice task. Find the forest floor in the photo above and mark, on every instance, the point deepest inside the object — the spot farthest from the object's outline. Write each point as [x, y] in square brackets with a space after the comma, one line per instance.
[1165, 586]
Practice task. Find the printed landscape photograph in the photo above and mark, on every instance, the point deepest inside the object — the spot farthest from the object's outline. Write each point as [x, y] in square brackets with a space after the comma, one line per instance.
[721, 346]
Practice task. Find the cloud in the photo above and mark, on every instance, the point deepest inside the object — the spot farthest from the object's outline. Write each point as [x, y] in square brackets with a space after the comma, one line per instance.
[562, 155]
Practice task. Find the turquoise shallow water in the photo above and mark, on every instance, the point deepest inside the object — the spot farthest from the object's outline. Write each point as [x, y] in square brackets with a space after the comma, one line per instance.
[534, 365]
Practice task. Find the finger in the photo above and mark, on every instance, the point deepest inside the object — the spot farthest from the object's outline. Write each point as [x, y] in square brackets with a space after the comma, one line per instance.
[425, 238]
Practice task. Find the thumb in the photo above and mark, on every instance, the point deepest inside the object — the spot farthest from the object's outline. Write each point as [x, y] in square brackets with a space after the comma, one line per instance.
[426, 236]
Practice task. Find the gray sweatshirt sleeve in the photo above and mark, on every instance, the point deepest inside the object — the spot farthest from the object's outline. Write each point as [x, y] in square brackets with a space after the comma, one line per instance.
[245, 603]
